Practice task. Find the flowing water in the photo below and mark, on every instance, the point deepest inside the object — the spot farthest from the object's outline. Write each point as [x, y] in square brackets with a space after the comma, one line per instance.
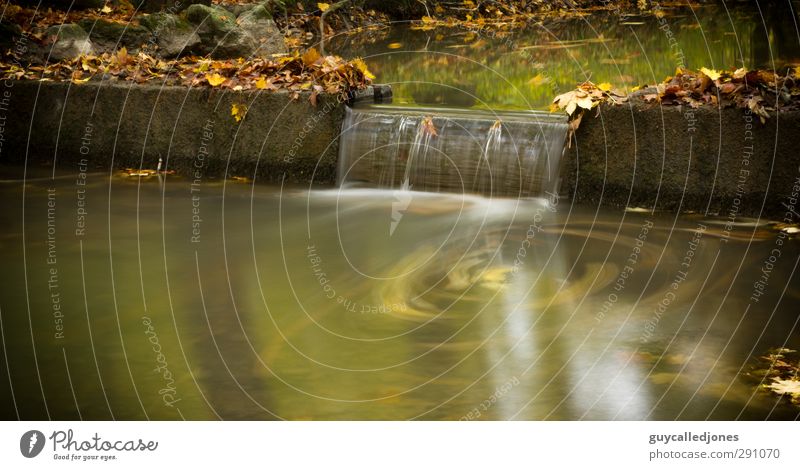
[452, 150]
[229, 300]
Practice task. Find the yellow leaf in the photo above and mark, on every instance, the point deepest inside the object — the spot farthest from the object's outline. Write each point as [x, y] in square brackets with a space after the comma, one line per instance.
[395, 45]
[105, 9]
[712, 74]
[261, 83]
[428, 19]
[215, 79]
[538, 79]
[238, 111]
[311, 56]
[605, 86]
[362, 66]
[323, 6]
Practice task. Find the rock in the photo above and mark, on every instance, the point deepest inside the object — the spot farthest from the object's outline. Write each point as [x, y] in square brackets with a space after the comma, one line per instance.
[224, 36]
[219, 33]
[173, 34]
[110, 35]
[257, 22]
[67, 41]
[169, 6]
[9, 34]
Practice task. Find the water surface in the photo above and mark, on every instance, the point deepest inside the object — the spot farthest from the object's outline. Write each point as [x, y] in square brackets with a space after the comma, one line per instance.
[285, 303]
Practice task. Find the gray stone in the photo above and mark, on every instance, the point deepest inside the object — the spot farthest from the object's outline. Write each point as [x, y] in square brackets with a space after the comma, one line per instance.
[219, 33]
[257, 22]
[678, 158]
[135, 125]
[224, 36]
[67, 41]
[173, 34]
[110, 35]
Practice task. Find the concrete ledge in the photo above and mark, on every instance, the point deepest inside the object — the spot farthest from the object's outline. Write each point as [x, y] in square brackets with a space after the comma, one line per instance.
[705, 160]
[719, 161]
[191, 129]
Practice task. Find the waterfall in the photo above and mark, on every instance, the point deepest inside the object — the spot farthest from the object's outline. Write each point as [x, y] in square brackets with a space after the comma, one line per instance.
[501, 154]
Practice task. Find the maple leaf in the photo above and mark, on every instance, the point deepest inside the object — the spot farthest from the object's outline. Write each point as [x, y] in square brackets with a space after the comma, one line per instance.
[712, 74]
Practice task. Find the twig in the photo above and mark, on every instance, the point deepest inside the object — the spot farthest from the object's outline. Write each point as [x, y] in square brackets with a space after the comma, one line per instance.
[325, 13]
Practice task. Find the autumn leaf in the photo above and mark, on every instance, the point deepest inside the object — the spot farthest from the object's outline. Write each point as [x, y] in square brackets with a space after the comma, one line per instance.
[238, 111]
[395, 45]
[538, 80]
[106, 9]
[215, 79]
[605, 86]
[428, 19]
[362, 66]
[428, 127]
[310, 57]
[263, 84]
[712, 74]
[790, 387]
[323, 6]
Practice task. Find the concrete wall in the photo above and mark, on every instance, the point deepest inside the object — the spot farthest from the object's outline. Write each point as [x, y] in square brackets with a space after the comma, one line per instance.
[128, 125]
[705, 160]
[638, 154]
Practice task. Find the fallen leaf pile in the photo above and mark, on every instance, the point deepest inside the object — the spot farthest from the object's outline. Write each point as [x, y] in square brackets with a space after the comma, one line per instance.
[761, 91]
[586, 96]
[35, 20]
[308, 72]
[778, 372]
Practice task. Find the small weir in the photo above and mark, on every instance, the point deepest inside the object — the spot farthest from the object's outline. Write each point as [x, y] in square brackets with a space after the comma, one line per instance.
[496, 154]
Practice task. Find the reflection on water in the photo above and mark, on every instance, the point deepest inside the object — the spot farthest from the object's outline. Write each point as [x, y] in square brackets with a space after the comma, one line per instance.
[235, 301]
[526, 68]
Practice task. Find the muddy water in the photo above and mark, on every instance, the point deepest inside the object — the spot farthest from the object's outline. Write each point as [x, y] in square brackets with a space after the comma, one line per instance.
[132, 299]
